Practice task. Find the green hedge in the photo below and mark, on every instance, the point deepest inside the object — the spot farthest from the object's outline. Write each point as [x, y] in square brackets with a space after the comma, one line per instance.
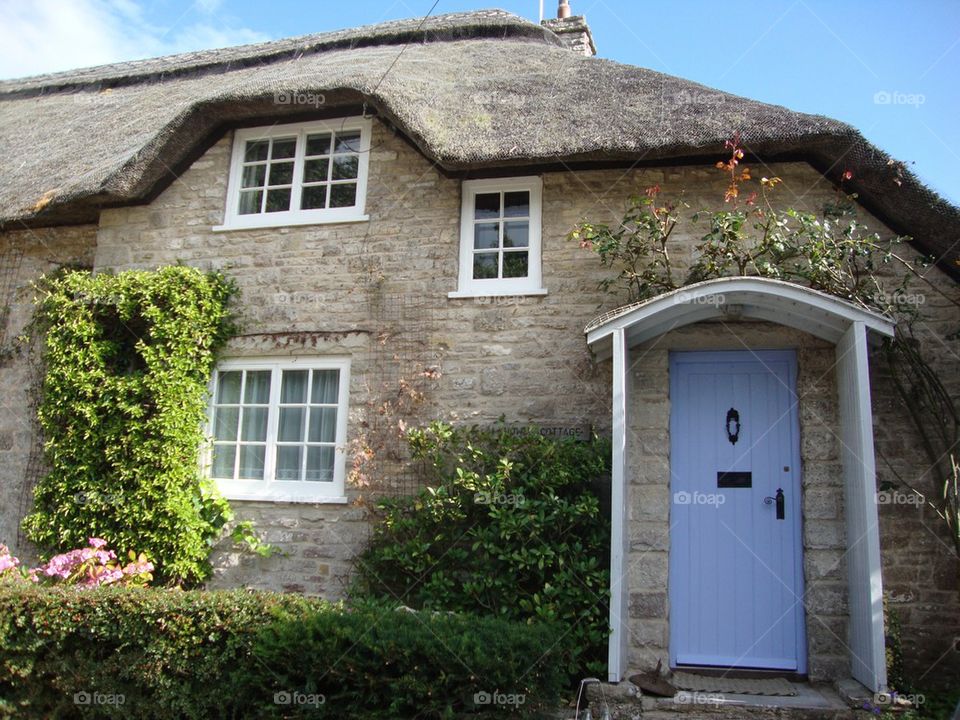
[509, 524]
[150, 653]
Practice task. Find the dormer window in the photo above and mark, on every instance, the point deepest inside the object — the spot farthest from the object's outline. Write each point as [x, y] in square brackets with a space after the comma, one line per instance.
[298, 174]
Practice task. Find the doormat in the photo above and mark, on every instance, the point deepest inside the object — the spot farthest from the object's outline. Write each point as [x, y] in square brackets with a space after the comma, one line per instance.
[739, 686]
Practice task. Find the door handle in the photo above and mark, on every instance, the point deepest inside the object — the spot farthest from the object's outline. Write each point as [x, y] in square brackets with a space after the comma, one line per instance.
[780, 502]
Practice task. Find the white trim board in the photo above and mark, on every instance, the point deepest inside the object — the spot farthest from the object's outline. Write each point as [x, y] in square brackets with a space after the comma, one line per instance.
[784, 303]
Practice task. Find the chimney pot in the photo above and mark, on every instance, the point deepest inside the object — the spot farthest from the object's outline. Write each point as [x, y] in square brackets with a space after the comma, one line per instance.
[563, 10]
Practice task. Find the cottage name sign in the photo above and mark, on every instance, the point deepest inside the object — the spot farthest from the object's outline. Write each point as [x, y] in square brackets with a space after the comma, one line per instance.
[579, 432]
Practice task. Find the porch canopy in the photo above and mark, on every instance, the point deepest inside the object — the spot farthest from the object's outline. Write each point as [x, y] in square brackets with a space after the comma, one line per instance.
[824, 316]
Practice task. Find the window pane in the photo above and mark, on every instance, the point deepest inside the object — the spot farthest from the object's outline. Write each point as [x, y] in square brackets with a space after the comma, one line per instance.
[516, 204]
[326, 386]
[288, 462]
[281, 173]
[515, 264]
[254, 424]
[253, 175]
[346, 167]
[485, 266]
[256, 150]
[486, 235]
[225, 423]
[487, 205]
[278, 200]
[291, 425]
[251, 462]
[314, 196]
[293, 388]
[323, 424]
[228, 387]
[516, 234]
[320, 464]
[250, 202]
[318, 144]
[257, 391]
[223, 460]
[285, 148]
[343, 195]
[348, 142]
[315, 170]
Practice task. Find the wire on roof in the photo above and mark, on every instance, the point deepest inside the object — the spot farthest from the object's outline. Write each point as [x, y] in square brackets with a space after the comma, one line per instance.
[405, 45]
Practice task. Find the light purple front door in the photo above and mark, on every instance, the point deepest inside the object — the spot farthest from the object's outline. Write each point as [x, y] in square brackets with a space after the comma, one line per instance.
[736, 564]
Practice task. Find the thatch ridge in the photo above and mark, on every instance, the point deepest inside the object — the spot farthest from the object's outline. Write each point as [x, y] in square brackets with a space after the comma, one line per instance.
[476, 92]
[497, 24]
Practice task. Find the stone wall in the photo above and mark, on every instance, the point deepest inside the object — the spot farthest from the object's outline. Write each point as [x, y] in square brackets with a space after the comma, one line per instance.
[920, 573]
[378, 291]
[24, 256]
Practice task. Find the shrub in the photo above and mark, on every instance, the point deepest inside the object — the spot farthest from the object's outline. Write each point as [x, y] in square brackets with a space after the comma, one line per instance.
[87, 567]
[122, 408]
[159, 653]
[509, 525]
[399, 663]
[7, 561]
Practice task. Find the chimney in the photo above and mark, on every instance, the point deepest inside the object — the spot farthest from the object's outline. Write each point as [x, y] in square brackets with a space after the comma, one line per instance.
[572, 30]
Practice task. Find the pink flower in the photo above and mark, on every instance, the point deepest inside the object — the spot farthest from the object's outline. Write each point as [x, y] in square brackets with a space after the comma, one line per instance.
[138, 568]
[87, 567]
[7, 561]
[111, 576]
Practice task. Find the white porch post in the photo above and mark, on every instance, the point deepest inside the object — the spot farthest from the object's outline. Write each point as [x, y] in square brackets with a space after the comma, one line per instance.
[865, 589]
[619, 537]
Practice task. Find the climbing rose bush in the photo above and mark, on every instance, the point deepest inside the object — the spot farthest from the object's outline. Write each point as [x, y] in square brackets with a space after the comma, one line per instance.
[90, 566]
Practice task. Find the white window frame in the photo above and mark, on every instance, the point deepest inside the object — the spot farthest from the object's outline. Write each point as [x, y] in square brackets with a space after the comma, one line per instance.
[530, 285]
[270, 489]
[233, 220]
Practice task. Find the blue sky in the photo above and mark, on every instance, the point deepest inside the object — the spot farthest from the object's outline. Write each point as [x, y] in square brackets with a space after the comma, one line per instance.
[890, 68]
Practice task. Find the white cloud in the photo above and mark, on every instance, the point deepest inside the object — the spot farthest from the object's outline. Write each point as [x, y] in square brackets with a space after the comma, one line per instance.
[43, 36]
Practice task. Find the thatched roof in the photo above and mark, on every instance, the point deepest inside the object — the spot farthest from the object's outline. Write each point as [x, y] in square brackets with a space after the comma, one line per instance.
[472, 91]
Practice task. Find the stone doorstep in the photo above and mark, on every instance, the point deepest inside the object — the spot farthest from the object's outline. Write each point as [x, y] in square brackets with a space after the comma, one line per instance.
[625, 701]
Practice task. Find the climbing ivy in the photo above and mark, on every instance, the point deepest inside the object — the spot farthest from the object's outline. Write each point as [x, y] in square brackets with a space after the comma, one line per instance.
[127, 360]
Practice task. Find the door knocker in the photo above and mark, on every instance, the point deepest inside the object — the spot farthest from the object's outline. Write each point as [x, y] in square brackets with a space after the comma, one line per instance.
[733, 426]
